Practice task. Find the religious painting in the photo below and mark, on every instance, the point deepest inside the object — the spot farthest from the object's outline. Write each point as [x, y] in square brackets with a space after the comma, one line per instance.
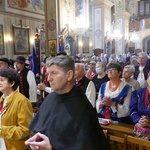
[1, 40]
[85, 41]
[21, 40]
[119, 5]
[79, 8]
[35, 6]
[81, 13]
[131, 49]
[43, 42]
[69, 46]
[1, 2]
[132, 7]
[52, 45]
[67, 49]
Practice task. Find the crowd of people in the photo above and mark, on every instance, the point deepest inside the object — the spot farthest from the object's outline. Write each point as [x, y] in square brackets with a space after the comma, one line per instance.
[62, 110]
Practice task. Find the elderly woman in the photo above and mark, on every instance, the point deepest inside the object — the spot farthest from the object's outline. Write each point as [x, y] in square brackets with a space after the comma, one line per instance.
[128, 72]
[101, 76]
[140, 105]
[140, 111]
[114, 96]
[15, 112]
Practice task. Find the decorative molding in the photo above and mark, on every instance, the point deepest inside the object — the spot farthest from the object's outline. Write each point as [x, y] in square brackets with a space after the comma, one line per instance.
[100, 2]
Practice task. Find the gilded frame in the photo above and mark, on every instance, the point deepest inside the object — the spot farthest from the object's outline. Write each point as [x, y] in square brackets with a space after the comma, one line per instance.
[21, 40]
[85, 47]
[52, 46]
[43, 42]
[2, 52]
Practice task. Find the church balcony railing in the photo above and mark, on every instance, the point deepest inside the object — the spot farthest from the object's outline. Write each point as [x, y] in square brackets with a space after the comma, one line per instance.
[139, 25]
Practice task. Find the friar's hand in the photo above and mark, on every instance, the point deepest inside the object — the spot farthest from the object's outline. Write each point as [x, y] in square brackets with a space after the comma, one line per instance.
[39, 142]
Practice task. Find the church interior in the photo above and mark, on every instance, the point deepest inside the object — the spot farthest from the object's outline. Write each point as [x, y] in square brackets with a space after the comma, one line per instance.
[78, 28]
[74, 26]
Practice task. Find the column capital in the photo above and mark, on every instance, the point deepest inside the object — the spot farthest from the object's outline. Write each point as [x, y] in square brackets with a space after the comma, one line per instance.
[100, 2]
[123, 14]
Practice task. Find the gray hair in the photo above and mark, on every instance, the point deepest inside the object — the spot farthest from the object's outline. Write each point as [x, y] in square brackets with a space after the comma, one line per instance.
[101, 64]
[144, 54]
[81, 65]
[64, 61]
[130, 68]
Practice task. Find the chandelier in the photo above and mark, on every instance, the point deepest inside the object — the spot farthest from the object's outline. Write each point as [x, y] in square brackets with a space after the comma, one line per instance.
[135, 37]
[117, 35]
[80, 30]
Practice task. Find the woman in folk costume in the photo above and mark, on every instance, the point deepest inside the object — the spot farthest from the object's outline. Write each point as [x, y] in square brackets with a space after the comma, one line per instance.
[140, 105]
[140, 111]
[114, 96]
[15, 112]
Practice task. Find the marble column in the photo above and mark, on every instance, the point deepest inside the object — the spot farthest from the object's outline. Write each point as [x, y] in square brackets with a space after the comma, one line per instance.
[122, 25]
[101, 23]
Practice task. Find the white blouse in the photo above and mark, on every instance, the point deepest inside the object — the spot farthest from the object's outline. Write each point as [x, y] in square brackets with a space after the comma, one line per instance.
[122, 109]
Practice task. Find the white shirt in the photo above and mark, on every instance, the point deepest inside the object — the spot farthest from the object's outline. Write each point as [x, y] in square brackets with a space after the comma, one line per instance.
[32, 87]
[140, 77]
[91, 93]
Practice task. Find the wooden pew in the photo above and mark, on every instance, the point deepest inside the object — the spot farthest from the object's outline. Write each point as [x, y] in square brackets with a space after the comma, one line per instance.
[116, 134]
[120, 137]
[119, 142]
[137, 143]
[118, 129]
[105, 133]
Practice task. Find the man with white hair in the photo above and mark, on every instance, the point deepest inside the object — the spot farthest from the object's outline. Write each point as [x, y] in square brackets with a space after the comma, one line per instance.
[127, 74]
[142, 70]
[84, 83]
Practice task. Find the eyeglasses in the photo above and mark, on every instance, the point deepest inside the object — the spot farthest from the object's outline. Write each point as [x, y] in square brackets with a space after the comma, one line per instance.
[112, 70]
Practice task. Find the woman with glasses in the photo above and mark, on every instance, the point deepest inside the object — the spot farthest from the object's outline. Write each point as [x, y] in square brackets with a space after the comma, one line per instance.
[114, 96]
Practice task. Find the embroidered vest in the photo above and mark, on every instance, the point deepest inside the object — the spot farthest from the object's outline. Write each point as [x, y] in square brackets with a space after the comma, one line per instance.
[24, 85]
[83, 83]
[145, 71]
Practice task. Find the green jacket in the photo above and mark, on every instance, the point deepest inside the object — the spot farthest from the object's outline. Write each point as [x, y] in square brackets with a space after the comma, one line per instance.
[15, 121]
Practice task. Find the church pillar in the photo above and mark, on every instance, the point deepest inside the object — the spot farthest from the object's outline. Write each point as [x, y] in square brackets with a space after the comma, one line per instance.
[51, 23]
[121, 27]
[59, 21]
[101, 26]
